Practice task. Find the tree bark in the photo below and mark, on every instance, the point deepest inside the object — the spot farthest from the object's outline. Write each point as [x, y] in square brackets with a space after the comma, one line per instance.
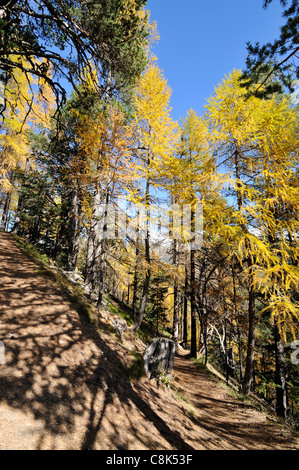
[135, 281]
[193, 351]
[5, 212]
[185, 309]
[280, 378]
[16, 227]
[93, 244]
[176, 310]
[74, 242]
[248, 376]
[100, 268]
[139, 317]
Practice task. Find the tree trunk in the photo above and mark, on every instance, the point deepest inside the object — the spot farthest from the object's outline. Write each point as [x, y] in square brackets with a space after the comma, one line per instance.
[185, 309]
[93, 244]
[135, 281]
[135, 287]
[74, 239]
[4, 219]
[101, 262]
[140, 315]
[16, 227]
[205, 333]
[176, 310]
[238, 326]
[193, 351]
[280, 379]
[248, 376]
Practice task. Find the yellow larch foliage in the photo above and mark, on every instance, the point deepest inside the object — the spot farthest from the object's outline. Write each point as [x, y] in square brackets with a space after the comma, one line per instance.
[157, 133]
[29, 104]
[105, 143]
[257, 141]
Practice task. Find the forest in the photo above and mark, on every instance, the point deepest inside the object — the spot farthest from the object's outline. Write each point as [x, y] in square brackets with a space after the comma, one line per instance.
[193, 224]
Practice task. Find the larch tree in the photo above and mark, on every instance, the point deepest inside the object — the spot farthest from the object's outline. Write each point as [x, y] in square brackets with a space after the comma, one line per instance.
[105, 140]
[26, 114]
[234, 125]
[275, 208]
[196, 182]
[247, 133]
[156, 139]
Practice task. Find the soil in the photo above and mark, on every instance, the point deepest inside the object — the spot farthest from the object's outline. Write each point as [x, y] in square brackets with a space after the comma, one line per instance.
[63, 384]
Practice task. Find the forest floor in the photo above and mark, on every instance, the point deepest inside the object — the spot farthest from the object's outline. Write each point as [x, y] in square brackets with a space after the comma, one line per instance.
[64, 385]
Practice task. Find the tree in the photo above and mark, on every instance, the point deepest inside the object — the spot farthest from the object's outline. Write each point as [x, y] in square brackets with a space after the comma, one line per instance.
[277, 276]
[156, 140]
[257, 140]
[273, 66]
[15, 148]
[228, 112]
[156, 311]
[71, 37]
[194, 166]
[104, 138]
[14, 145]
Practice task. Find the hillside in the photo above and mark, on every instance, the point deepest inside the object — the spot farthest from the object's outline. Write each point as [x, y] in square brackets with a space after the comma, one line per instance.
[69, 384]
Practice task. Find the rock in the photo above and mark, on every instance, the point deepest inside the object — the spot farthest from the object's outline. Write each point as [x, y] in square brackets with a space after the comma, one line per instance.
[120, 326]
[159, 357]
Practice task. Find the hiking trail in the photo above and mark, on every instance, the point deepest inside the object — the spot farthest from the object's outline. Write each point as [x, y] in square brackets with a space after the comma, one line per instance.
[63, 384]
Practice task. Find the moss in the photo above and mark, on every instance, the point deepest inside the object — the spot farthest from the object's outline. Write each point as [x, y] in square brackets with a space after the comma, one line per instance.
[119, 311]
[136, 370]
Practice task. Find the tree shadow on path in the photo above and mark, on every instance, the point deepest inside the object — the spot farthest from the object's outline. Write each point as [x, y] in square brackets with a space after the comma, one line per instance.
[60, 371]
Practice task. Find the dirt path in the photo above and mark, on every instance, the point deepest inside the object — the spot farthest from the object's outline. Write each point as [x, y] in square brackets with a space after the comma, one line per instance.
[63, 386]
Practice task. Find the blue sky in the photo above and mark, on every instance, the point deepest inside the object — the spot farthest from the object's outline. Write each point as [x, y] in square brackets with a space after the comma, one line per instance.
[201, 41]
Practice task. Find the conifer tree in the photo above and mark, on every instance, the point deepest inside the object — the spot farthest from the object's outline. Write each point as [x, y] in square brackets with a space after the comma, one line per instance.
[248, 131]
[156, 140]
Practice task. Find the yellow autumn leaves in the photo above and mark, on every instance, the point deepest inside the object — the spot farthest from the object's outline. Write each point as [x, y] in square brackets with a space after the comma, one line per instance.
[257, 141]
[240, 160]
[29, 104]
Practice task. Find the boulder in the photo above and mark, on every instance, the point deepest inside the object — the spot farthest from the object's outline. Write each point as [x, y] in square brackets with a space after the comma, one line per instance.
[159, 357]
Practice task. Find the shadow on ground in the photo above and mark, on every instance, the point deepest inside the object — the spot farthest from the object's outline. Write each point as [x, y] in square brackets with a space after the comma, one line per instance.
[64, 385]
[59, 368]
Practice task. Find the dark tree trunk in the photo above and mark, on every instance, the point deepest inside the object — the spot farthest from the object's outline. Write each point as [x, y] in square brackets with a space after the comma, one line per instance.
[193, 351]
[248, 376]
[74, 239]
[135, 287]
[185, 310]
[176, 309]
[140, 315]
[280, 379]
[135, 281]
[100, 274]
